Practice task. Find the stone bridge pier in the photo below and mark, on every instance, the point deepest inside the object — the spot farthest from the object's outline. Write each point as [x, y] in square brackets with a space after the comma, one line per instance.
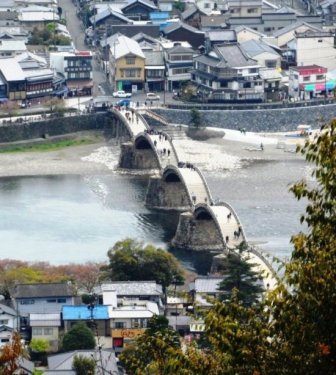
[139, 154]
[167, 192]
[197, 233]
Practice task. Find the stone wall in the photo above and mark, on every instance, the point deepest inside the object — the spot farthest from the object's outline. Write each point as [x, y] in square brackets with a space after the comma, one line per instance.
[131, 158]
[23, 131]
[167, 195]
[197, 235]
[258, 120]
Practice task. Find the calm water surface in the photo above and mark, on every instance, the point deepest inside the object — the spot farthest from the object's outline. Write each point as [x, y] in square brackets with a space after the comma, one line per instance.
[64, 219]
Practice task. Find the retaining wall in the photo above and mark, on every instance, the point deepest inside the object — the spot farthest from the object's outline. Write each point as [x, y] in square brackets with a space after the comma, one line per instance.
[257, 120]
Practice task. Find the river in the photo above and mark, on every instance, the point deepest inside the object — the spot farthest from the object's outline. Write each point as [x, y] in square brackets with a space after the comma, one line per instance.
[77, 218]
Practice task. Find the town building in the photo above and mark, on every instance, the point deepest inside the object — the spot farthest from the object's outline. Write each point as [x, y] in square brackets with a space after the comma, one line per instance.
[227, 74]
[76, 68]
[263, 53]
[178, 31]
[9, 321]
[204, 288]
[155, 71]
[305, 82]
[46, 326]
[138, 10]
[126, 65]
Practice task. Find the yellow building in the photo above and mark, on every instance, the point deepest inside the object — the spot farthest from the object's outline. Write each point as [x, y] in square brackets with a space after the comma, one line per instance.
[126, 64]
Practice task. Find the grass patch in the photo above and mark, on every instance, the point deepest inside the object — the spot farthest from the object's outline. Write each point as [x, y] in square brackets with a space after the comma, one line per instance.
[48, 146]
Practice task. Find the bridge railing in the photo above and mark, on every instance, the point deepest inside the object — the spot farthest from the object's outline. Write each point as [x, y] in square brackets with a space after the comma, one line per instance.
[124, 121]
[172, 146]
[142, 119]
[205, 184]
[155, 116]
[257, 253]
[227, 205]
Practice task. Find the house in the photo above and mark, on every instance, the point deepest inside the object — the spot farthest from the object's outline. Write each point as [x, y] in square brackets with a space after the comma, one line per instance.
[126, 64]
[305, 82]
[109, 16]
[245, 33]
[192, 15]
[9, 321]
[138, 10]
[146, 42]
[244, 8]
[322, 43]
[227, 74]
[95, 316]
[204, 288]
[45, 3]
[155, 71]
[131, 30]
[142, 290]
[7, 5]
[76, 67]
[179, 63]
[272, 79]
[32, 17]
[43, 298]
[287, 33]
[264, 54]
[214, 37]
[10, 48]
[9, 19]
[12, 80]
[213, 22]
[62, 363]
[129, 319]
[47, 327]
[177, 31]
[13, 33]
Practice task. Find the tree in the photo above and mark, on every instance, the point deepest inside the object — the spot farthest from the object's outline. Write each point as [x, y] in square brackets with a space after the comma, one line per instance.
[195, 118]
[39, 345]
[304, 312]
[83, 365]
[151, 351]
[240, 275]
[78, 337]
[10, 355]
[131, 260]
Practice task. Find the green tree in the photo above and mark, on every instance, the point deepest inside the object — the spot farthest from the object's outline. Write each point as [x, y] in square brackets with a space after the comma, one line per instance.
[304, 324]
[195, 118]
[240, 275]
[39, 345]
[83, 365]
[151, 352]
[78, 337]
[131, 260]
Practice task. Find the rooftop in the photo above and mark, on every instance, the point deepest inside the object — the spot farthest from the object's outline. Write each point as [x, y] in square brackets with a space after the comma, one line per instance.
[42, 290]
[81, 312]
[132, 288]
[206, 284]
[256, 47]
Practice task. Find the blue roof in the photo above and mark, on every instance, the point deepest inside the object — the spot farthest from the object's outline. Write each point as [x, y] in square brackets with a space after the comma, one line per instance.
[83, 313]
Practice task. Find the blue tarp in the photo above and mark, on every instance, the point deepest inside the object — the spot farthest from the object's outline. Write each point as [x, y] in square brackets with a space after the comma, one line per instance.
[99, 312]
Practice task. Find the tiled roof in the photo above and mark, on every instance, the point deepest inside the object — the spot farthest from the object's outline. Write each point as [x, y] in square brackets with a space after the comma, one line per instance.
[143, 2]
[221, 35]
[154, 57]
[132, 288]
[43, 290]
[178, 25]
[207, 284]
[292, 27]
[256, 47]
[232, 56]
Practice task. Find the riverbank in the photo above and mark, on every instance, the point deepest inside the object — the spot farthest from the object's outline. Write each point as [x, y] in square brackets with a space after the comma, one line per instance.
[232, 150]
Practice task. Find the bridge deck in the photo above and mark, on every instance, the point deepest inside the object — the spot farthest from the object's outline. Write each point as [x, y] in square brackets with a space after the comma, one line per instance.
[195, 185]
[136, 124]
[163, 148]
[228, 225]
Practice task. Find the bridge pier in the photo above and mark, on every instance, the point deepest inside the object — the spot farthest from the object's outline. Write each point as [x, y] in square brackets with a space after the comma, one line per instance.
[197, 235]
[163, 195]
[132, 158]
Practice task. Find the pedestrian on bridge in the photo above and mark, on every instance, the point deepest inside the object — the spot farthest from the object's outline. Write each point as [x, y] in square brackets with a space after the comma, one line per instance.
[168, 152]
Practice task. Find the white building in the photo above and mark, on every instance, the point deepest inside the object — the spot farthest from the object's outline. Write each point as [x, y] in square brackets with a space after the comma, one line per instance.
[8, 323]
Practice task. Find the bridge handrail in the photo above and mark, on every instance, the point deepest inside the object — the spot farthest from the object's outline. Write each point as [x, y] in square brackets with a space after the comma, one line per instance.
[143, 119]
[172, 145]
[227, 205]
[155, 116]
[124, 121]
[257, 253]
[205, 184]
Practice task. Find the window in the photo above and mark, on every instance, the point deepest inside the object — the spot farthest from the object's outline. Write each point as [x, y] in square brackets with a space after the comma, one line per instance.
[207, 5]
[48, 331]
[51, 300]
[37, 331]
[306, 79]
[320, 41]
[119, 325]
[27, 302]
[319, 77]
[4, 321]
[181, 70]
[61, 300]
[130, 60]
[4, 340]
[253, 70]
[252, 10]
[270, 63]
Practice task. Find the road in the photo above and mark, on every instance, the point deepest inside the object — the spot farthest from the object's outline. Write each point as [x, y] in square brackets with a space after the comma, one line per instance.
[76, 30]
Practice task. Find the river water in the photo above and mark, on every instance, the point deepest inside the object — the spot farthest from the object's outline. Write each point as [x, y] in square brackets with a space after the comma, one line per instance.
[77, 218]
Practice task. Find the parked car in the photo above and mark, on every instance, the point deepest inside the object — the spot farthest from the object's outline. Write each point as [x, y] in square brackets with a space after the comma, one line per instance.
[121, 94]
[124, 103]
[151, 96]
